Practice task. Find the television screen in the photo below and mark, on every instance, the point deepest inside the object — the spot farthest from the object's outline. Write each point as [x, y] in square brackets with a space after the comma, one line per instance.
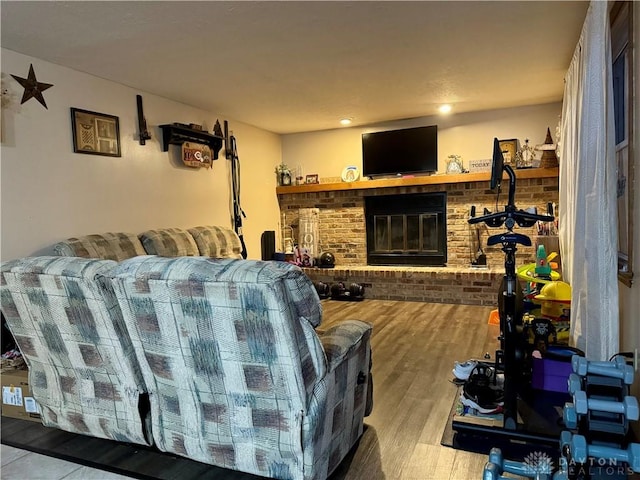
[398, 152]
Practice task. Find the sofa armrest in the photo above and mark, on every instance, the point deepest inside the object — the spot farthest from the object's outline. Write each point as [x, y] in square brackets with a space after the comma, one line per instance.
[340, 400]
[342, 339]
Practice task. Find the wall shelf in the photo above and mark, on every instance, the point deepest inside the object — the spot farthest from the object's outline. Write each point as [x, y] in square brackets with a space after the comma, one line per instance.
[177, 135]
[524, 173]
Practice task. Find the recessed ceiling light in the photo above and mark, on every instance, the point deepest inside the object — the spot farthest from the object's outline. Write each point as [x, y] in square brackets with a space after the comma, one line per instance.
[445, 108]
[345, 121]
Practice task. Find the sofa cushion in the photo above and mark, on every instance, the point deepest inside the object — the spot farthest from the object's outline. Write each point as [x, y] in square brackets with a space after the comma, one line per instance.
[217, 242]
[82, 369]
[107, 246]
[169, 242]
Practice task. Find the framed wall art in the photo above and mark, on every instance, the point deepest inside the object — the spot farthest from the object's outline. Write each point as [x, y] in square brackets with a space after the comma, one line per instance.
[310, 179]
[95, 133]
[509, 149]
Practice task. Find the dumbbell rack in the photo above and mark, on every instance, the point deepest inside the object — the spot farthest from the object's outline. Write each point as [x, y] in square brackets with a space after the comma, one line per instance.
[597, 443]
[598, 420]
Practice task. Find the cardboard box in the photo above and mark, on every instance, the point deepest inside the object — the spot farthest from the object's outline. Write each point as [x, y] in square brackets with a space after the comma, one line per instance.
[17, 401]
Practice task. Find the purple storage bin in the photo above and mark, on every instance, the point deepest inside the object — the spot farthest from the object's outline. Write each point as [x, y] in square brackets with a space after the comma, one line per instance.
[550, 375]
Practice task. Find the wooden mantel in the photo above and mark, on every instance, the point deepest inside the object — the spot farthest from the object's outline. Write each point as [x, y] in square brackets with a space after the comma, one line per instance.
[414, 181]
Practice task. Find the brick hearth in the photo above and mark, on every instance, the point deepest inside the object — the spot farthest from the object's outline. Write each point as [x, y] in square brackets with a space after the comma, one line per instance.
[466, 286]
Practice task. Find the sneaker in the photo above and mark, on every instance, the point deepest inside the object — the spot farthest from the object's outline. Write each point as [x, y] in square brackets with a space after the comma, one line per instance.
[467, 402]
[481, 392]
[462, 370]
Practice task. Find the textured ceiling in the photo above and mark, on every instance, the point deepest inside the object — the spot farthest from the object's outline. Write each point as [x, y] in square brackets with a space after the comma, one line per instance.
[301, 66]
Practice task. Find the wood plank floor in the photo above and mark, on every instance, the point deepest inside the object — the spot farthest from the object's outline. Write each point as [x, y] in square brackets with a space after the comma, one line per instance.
[414, 348]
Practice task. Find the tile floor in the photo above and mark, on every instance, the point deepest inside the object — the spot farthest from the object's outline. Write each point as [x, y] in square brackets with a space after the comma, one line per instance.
[24, 465]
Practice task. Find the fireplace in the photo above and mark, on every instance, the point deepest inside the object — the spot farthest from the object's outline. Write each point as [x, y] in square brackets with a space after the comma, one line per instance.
[408, 229]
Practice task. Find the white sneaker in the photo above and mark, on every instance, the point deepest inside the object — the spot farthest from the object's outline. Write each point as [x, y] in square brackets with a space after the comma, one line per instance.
[487, 409]
[462, 370]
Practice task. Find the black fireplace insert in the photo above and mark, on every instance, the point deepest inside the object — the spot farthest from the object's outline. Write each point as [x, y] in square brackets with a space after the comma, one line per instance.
[409, 229]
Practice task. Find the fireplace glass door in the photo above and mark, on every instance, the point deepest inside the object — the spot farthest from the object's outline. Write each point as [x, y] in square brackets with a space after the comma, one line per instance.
[406, 229]
[406, 233]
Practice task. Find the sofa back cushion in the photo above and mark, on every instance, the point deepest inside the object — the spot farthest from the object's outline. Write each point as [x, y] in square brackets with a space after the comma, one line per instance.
[82, 368]
[217, 242]
[169, 242]
[106, 246]
[228, 355]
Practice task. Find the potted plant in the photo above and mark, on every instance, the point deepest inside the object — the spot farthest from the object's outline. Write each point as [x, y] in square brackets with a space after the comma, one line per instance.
[283, 175]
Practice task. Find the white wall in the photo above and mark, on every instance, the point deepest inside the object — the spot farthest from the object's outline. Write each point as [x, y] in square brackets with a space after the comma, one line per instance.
[469, 135]
[50, 193]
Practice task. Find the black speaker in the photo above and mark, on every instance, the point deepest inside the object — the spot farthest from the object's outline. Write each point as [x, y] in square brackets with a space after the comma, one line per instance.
[268, 242]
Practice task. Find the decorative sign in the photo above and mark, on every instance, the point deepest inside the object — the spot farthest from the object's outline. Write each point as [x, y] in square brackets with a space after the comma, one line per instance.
[476, 166]
[309, 238]
[196, 155]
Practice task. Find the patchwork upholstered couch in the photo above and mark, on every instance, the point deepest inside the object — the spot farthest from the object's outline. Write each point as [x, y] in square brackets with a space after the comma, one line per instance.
[208, 241]
[217, 360]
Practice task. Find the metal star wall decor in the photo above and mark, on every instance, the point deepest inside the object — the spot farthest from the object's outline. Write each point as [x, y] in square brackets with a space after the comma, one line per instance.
[32, 87]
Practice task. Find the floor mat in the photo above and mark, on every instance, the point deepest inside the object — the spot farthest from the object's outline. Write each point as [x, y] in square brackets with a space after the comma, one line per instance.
[483, 443]
[135, 461]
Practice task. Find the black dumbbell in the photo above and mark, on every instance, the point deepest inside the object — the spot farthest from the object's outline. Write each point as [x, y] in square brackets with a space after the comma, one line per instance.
[339, 291]
[322, 289]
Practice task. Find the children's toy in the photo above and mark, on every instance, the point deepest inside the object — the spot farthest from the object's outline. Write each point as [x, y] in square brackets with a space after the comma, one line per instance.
[527, 272]
[556, 301]
[542, 270]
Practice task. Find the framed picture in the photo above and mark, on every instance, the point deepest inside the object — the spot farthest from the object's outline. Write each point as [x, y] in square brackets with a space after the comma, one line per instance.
[95, 133]
[509, 149]
[311, 178]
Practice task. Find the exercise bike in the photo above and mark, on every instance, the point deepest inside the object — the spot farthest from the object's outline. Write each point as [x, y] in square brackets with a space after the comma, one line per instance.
[511, 356]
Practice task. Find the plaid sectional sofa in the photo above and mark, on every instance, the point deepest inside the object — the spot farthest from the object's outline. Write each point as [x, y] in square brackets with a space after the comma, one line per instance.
[217, 360]
[210, 241]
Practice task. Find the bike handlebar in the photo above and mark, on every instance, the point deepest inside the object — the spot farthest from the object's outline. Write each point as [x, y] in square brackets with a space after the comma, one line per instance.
[520, 217]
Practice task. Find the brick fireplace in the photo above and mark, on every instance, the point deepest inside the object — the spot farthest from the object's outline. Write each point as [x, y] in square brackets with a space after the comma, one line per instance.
[342, 231]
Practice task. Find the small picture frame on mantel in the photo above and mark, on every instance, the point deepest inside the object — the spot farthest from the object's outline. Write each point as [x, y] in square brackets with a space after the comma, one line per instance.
[311, 179]
[95, 133]
[509, 149]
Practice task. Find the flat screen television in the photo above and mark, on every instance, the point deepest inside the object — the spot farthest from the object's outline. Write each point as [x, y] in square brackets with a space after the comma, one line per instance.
[400, 152]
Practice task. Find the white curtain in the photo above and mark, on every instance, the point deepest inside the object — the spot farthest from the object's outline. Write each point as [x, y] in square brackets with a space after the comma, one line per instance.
[588, 209]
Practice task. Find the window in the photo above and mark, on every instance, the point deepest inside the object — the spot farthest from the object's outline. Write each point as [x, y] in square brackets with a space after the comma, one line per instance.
[621, 16]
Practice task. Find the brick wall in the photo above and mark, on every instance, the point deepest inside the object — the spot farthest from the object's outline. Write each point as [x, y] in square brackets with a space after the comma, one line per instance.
[342, 223]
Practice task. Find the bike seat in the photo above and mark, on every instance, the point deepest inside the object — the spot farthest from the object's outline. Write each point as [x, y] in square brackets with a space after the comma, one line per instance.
[509, 237]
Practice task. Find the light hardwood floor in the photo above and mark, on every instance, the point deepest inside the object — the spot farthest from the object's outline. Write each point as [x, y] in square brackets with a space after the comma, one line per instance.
[414, 349]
